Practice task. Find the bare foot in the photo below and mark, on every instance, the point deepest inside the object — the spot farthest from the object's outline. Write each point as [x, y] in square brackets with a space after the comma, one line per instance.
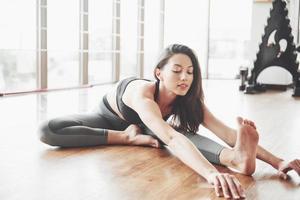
[245, 147]
[137, 138]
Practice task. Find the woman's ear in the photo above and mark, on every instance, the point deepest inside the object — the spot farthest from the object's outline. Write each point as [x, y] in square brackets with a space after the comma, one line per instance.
[158, 74]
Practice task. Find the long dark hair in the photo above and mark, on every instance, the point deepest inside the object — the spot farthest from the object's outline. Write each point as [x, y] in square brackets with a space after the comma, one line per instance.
[187, 110]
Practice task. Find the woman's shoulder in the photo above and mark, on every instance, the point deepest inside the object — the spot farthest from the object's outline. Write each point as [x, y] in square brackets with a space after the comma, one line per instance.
[142, 87]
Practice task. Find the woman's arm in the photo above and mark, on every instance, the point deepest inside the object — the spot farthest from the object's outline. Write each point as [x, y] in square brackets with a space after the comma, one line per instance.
[228, 135]
[183, 148]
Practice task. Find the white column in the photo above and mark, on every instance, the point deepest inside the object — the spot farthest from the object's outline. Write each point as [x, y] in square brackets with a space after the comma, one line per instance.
[41, 55]
[83, 42]
[140, 42]
[116, 40]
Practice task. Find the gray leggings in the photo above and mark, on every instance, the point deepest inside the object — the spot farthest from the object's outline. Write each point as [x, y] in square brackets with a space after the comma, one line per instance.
[91, 130]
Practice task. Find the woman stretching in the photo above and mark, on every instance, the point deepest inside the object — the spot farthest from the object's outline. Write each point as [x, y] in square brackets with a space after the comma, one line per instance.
[136, 112]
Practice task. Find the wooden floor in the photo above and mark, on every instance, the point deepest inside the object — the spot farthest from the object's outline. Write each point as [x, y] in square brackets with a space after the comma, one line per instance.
[32, 170]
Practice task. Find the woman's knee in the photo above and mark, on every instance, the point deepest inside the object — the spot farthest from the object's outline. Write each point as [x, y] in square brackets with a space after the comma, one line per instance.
[46, 135]
[59, 123]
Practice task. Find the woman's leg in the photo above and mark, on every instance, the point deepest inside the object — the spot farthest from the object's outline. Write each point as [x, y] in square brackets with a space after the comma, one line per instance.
[241, 157]
[90, 130]
[98, 128]
[210, 149]
[80, 130]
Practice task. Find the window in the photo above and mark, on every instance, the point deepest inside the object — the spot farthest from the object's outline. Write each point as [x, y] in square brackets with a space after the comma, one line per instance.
[153, 12]
[17, 45]
[229, 37]
[59, 44]
[63, 43]
[129, 16]
[100, 41]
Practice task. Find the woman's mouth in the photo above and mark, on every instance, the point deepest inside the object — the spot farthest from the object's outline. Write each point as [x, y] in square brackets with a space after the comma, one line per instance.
[183, 86]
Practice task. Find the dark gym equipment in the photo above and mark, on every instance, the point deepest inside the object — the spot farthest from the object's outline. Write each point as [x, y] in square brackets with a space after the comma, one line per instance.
[243, 76]
[277, 49]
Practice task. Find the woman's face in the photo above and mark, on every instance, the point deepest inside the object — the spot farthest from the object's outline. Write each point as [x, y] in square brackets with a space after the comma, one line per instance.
[177, 74]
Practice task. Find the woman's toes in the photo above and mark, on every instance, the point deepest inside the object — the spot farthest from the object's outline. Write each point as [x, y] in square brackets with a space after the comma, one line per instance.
[239, 121]
[155, 143]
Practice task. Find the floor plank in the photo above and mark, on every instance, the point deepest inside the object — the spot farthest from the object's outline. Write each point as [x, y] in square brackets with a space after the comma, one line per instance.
[30, 169]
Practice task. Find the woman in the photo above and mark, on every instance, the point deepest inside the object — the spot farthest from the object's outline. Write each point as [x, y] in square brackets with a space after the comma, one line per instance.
[136, 113]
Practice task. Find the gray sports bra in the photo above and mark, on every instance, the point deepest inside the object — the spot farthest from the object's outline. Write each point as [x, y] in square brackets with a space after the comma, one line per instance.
[128, 113]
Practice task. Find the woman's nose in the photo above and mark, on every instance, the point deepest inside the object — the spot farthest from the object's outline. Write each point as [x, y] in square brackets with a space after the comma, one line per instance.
[183, 76]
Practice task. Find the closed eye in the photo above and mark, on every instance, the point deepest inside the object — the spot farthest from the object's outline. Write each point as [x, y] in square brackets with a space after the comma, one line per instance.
[180, 71]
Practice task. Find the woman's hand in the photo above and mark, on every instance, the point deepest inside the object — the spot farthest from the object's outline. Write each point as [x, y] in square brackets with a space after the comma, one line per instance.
[226, 185]
[284, 167]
